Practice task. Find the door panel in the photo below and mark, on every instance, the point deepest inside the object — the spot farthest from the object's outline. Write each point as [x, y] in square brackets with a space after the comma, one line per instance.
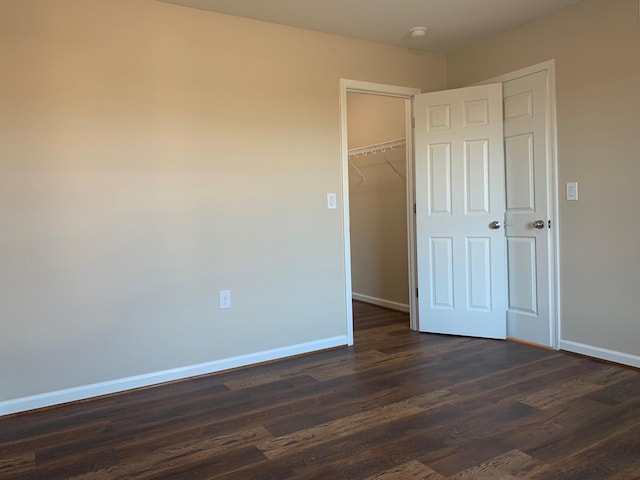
[442, 272]
[476, 176]
[523, 295]
[528, 191]
[440, 179]
[520, 173]
[479, 274]
[460, 191]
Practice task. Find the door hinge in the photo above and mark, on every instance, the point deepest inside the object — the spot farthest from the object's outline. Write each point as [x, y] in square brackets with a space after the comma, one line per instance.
[415, 209]
[417, 293]
[413, 122]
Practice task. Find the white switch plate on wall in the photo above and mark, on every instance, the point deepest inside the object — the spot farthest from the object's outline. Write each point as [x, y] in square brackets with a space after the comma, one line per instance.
[332, 202]
[572, 191]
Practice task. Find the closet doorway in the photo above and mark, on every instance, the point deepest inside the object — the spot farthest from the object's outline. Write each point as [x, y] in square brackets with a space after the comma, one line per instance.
[377, 173]
[377, 200]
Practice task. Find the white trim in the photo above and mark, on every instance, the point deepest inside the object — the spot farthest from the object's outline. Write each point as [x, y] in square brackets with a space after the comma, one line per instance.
[411, 218]
[601, 353]
[122, 384]
[390, 91]
[554, 257]
[346, 222]
[378, 88]
[549, 66]
[401, 307]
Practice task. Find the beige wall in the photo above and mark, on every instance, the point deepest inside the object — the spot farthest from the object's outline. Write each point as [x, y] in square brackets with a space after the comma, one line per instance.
[374, 119]
[378, 205]
[151, 155]
[596, 44]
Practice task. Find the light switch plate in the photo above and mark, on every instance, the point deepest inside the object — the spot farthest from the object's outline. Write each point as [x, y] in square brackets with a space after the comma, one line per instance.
[332, 202]
[572, 191]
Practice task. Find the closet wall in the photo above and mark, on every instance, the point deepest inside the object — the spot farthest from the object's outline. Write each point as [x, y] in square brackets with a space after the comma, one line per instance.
[377, 196]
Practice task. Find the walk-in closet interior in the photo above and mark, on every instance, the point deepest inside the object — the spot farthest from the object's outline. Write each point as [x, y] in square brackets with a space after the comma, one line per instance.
[377, 145]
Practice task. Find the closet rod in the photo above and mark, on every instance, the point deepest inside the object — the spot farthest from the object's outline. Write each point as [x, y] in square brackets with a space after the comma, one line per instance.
[377, 148]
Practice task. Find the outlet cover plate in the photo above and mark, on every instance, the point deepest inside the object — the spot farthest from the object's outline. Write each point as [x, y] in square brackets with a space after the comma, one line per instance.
[225, 299]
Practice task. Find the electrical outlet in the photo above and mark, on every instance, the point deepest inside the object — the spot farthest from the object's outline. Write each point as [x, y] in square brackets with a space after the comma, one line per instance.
[225, 299]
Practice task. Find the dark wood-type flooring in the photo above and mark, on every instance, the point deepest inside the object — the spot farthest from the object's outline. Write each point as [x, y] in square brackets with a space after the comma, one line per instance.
[399, 405]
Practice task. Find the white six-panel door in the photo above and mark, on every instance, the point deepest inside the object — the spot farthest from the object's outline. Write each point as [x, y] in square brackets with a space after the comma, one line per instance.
[460, 205]
[528, 197]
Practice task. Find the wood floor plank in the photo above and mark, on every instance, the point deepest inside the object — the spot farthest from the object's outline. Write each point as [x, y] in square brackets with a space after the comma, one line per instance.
[17, 464]
[577, 387]
[545, 427]
[80, 414]
[351, 424]
[320, 370]
[579, 435]
[604, 460]
[185, 455]
[397, 405]
[619, 392]
[361, 454]
[453, 459]
[413, 470]
[511, 465]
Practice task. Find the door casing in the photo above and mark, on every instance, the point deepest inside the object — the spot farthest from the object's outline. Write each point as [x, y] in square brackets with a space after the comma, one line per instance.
[406, 93]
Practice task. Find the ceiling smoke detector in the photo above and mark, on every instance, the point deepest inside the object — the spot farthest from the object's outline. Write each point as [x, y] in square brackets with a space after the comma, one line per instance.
[418, 32]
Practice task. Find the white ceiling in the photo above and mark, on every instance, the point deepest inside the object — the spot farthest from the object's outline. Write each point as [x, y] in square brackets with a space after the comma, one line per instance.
[453, 24]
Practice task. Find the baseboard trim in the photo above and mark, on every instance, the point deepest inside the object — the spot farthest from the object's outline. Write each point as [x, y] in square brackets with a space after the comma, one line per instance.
[601, 353]
[85, 392]
[401, 307]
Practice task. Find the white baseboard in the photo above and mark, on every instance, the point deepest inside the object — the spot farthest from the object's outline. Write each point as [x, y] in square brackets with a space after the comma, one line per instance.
[601, 353]
[381, 302]
[104, 388]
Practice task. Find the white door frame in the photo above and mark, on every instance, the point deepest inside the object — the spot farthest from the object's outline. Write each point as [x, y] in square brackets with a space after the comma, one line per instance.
[552, 187]
[389, 91]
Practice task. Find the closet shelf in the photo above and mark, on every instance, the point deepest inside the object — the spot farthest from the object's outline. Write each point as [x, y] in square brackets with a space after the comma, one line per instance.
[377, 148]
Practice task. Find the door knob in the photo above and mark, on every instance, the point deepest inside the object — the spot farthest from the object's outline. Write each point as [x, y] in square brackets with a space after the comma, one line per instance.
[539, 224]
[495, 225]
